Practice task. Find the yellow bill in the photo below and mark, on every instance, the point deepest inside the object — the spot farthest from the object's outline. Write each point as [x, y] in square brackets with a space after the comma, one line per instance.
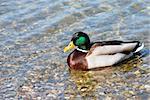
[69, 47]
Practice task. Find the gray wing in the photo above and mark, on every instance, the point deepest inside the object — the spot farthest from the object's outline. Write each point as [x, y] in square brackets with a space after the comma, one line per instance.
[111, 47]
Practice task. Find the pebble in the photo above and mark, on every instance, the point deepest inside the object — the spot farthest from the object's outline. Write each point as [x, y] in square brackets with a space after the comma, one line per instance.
[137, 73]
[39, 98]
[147, 87]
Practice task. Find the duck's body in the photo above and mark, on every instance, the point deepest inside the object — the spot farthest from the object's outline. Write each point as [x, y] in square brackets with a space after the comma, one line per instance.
[102, 54]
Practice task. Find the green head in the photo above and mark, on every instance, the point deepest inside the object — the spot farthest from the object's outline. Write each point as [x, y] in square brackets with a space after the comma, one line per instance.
[79, 39]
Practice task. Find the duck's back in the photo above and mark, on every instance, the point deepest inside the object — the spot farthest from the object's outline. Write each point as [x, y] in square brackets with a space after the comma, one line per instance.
[112, 47]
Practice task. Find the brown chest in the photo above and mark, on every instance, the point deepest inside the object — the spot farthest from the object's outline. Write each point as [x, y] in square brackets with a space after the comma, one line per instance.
[76, 60]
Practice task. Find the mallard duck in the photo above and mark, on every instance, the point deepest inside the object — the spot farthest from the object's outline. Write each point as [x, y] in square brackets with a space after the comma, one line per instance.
[90, 55]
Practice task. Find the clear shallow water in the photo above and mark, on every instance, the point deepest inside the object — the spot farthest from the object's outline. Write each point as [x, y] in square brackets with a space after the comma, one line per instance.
[32, 37]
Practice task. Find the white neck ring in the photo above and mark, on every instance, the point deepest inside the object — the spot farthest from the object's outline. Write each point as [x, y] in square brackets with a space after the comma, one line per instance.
[82, 50]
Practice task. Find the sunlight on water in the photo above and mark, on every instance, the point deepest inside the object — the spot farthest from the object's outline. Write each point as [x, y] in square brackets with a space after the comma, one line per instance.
[33, 34]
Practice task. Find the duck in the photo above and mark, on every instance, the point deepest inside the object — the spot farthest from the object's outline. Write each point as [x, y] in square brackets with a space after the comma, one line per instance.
[87, 55]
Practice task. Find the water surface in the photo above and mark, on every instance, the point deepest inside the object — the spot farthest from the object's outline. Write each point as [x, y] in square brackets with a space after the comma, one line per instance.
[34, 32]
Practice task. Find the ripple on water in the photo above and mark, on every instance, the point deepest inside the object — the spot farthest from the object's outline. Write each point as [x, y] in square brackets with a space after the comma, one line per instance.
[32, 37]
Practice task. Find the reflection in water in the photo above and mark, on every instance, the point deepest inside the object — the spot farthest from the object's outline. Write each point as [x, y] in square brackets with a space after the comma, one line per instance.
[89, 83]
[85, 83]
[130, 64]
